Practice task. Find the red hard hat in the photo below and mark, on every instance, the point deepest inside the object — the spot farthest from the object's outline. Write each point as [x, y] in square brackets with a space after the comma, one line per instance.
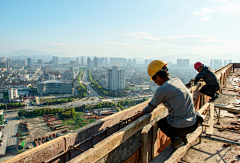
[197, 65]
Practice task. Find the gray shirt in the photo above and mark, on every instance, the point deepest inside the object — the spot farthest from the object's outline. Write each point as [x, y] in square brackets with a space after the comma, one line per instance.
[176, 97]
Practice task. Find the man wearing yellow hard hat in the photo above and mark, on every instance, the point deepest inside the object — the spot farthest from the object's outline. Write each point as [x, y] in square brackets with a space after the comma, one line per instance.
[182, 118]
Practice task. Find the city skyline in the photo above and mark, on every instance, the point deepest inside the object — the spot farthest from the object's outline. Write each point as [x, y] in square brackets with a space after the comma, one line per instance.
[108, 28]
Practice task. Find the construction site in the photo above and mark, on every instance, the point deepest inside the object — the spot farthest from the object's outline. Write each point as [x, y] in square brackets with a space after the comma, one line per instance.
[118, 138]
[39, 129]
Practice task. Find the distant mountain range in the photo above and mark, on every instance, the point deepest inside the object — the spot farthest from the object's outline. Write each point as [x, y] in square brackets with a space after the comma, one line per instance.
[24, 54]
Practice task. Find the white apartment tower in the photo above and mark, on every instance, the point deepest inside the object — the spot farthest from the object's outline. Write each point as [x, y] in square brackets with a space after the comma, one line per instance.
[55, 61]
[115, 79]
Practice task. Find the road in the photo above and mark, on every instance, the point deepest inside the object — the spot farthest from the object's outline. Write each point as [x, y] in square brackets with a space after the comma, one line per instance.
[10, 141]
[91, 92]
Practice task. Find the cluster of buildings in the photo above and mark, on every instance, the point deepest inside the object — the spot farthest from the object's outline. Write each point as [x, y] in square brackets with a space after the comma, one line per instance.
[103, 61]
[18, 78]
[218, 63]
[58, 75]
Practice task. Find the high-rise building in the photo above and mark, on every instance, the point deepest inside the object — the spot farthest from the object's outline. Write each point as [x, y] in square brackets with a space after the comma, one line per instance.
[18, 63]
[88, 62]
[55, 61]
[179, 62]
[229, 61]
[105, 61]
[115, 79]
[65, 59]
[185, 62]
[82, 61]
[4, 65]
[73, 63]
[29, 60]
[134, 62]
[146, 61]
[225, 62]
[39, 61]
[211, 63]
[118, 61]
[95, 62]
[3, 59]
[216, 64]
[77, 61]
[220, 63]
[100, 61]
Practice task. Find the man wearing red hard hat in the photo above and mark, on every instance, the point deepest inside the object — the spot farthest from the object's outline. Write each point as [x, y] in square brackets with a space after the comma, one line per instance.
[212, 84]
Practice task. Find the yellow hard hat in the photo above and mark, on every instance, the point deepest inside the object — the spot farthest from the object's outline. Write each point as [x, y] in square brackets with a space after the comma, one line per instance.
[154, 67]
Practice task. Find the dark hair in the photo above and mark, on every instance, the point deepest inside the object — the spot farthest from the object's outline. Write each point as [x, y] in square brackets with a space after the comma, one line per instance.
[162, 73]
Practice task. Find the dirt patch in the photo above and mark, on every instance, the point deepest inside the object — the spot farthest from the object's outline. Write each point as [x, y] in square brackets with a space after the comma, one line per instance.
[38, 128]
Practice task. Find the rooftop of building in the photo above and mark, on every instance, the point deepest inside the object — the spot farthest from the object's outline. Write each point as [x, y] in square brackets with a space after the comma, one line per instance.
[56, 81]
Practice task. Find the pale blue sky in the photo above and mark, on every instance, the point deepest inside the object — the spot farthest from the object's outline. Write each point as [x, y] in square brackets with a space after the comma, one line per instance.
[126, 28]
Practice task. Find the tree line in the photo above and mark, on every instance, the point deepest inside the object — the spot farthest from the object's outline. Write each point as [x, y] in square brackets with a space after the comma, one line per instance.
[82, 88]
[57, 101]
[63, 113]
[9, 105]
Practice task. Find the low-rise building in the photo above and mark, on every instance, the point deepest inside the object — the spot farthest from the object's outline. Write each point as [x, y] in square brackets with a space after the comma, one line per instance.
[9, 94]
[68, 75]
[24, 77]
[13, 85]
[24, 91]
[54, 87]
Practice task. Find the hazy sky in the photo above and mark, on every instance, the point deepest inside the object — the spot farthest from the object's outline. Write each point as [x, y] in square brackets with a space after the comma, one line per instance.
[124, 28]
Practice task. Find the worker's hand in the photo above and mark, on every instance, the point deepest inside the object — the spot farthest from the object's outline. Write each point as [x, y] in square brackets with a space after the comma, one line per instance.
[188, 85]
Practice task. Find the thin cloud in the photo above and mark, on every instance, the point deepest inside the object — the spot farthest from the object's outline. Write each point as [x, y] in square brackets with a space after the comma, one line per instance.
[225, 1]
[119, 44]
[233, 9]
[113, 43]
[185, 36]
[142, 35]
[202, 12]
[163, 40]
[206, 18]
